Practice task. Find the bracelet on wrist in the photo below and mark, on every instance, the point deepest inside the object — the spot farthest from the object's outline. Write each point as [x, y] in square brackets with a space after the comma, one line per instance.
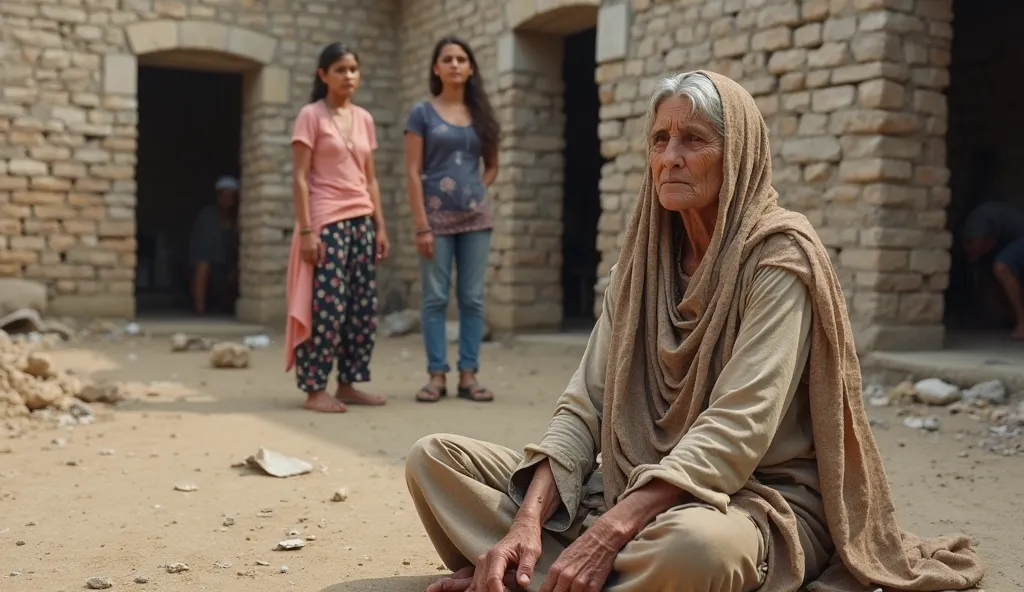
[306, 230]
[420, 231]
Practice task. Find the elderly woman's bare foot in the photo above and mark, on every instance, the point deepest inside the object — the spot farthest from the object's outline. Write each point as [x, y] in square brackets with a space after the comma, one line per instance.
[322, 402]
[350, 395]
[457, 582]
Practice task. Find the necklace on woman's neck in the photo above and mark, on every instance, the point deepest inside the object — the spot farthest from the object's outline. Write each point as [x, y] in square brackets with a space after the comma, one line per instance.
[344, 131]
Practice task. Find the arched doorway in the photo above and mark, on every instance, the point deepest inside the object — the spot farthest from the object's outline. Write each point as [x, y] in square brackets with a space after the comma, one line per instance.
[197, 89]
[548, 267]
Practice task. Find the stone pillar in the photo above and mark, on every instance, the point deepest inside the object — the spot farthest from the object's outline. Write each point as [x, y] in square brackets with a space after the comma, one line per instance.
[525, 290]
[266, 220]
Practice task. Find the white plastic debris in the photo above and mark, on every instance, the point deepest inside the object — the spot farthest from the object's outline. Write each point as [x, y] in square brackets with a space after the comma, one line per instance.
[276, 464]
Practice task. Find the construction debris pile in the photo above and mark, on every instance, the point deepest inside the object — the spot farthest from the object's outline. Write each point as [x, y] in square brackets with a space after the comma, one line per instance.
[987, 403]
[31, 385]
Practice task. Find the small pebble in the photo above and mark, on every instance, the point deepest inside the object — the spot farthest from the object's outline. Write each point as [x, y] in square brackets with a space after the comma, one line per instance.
[177, 567]
[311, 538]
[186, 487]
[15, 573]
[284, 569]
[228, 521]
[263, 563]
[141, 580]
[293, 533]
[340, 495]
[106, 452]
[99, 583]
[20, 543]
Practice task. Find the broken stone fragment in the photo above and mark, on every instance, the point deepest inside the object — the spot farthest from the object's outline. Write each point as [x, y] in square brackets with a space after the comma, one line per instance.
[104, 392]
[340, 495]
[933, 391]
[177, 567]
[991, 391]
[229, 355]
[903, 392]
[928, 424]
[141, 580]
[290, 545]
[38, 365]
[99, 583]
[186, 487]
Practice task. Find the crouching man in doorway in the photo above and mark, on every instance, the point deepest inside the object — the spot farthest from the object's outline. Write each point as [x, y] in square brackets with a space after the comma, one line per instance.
[213, 251]
[998, 227]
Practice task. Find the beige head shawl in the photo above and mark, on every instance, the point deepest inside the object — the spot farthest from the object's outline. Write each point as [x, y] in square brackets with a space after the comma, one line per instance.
[663, 355]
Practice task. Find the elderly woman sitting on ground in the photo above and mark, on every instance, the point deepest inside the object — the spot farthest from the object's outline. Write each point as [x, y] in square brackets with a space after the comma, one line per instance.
[722, 392]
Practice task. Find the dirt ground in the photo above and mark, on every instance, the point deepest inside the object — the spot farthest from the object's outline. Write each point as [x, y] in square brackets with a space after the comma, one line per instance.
[100, 500]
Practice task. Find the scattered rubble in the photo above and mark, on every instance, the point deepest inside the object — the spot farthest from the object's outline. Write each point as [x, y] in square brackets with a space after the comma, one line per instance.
[181, 342]
[99, 583]
[229, 355]
[985, 402]
[31, 385]
[177, 567]
[991, 391]
[290, 545]
[933, 391]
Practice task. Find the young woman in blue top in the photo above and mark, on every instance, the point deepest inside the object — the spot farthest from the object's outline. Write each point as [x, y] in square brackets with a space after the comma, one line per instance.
[446, 138]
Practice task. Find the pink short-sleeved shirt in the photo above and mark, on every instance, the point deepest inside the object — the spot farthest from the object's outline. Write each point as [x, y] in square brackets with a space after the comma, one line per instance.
[338, 187]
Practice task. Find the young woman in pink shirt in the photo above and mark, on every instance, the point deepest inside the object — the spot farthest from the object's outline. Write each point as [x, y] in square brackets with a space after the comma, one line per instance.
[339, 237]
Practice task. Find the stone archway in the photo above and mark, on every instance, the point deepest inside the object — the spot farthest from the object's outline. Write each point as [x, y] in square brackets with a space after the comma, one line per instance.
[205, 45]
[557, 17]
[527, 288]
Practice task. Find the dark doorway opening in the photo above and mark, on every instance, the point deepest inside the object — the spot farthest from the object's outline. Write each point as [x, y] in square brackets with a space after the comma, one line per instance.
[986, 120]
[581, 208]
[190, 130]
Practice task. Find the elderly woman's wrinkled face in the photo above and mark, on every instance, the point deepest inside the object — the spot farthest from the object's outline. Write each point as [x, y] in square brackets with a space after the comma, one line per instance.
[685, 157]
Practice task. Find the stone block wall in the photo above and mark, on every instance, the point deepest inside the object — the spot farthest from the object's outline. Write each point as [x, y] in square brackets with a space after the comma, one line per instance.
[68, 116]
[852, 93]
[420, 25]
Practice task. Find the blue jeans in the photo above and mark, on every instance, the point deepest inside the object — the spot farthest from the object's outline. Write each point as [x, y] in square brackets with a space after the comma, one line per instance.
[469, 251]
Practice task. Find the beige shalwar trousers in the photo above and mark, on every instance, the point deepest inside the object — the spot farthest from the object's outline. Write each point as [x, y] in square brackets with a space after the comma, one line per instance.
[460, 485]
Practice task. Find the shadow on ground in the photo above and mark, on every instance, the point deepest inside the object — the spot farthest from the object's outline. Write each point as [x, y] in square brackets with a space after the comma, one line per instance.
[395, 584]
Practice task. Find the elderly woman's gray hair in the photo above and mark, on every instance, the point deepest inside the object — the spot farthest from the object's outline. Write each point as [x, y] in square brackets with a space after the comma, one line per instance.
[702, 93]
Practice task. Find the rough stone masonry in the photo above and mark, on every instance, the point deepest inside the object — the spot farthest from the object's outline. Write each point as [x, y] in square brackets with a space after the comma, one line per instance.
[852, 91]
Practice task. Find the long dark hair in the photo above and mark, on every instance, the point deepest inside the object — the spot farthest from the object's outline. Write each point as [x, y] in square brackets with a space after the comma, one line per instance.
[475, 98]
[330, 54]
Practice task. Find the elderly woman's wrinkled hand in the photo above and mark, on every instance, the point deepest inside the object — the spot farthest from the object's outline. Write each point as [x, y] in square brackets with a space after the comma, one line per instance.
[585, 565]
[519, 550]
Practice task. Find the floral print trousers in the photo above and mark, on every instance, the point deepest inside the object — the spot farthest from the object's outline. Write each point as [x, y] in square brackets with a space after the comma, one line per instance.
[344, 308]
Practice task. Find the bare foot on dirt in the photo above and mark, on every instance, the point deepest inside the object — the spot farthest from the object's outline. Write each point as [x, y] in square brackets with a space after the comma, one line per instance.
[322, 402]
[457, 582]
[348, 394]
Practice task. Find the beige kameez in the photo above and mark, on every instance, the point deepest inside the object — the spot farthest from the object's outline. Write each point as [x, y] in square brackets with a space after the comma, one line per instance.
[467, 491]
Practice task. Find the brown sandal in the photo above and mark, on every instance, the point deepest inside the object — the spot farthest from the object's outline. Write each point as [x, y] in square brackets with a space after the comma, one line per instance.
[431, 393]
[476, 393]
